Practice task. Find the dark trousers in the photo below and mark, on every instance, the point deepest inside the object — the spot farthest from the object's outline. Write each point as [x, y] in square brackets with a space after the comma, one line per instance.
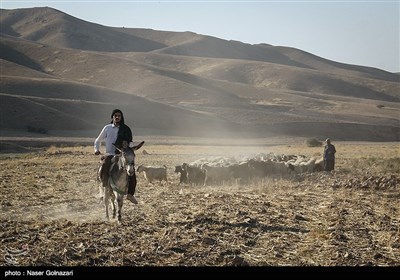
[104, 174]
[329, 164]
[132, 184]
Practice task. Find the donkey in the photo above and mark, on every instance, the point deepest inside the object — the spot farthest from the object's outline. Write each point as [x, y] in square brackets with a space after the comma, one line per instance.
[122, 166]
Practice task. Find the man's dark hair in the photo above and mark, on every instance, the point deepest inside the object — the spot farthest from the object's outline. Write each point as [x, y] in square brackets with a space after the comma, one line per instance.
[124, 132]
[118, 111]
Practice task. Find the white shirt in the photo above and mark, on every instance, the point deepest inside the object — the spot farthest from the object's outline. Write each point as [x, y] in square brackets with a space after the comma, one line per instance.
[108, 134]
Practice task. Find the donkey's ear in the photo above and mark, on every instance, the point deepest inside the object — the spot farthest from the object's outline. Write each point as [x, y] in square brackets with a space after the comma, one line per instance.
[117, 148]
[138, 146]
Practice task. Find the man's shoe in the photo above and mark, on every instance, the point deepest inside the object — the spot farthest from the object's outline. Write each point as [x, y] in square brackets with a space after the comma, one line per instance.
[132, 199]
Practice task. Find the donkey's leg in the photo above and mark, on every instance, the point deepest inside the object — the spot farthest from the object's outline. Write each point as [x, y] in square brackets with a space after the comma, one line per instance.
[120, 202]
[113, 203]
[101, 193]
[106, 201]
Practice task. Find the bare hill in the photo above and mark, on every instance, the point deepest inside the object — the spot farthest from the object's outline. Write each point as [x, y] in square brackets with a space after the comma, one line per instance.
[60, 73]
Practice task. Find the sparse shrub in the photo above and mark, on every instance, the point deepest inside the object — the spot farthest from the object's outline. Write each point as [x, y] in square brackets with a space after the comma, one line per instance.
[392, 165]
[33, 129]
[52, 150]
[380, 106]
[312, 142]
[346, 170]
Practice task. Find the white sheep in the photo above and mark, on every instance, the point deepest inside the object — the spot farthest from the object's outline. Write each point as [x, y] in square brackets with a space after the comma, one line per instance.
[319, 165]
[303, 166]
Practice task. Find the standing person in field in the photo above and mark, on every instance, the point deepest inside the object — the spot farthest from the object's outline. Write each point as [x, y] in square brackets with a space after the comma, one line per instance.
[329, 155]
[114, 133]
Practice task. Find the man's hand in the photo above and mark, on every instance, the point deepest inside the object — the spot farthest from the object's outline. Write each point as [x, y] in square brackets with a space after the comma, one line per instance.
[97, 153]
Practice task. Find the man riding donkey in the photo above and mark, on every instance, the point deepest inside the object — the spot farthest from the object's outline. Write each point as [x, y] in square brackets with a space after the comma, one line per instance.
[119, 134]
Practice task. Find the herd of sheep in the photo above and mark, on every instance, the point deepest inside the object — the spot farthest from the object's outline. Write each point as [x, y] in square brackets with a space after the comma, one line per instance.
[220, 170]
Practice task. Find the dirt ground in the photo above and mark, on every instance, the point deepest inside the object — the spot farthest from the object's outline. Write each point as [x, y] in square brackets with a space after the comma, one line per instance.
[51, 213]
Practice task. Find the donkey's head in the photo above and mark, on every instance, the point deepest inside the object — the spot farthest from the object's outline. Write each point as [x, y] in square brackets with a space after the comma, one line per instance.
[127, 156]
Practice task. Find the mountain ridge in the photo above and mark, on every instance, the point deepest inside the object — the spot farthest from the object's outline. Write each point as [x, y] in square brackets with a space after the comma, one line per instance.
[204, 85]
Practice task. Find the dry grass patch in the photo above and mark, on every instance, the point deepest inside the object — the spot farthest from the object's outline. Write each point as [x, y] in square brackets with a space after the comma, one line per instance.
[50, 209]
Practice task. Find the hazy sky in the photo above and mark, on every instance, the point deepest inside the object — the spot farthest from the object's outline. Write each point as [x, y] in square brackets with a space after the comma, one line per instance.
[354, 32]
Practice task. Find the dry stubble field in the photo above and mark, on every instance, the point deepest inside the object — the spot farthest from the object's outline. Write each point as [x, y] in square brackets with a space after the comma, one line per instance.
[51, 214]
